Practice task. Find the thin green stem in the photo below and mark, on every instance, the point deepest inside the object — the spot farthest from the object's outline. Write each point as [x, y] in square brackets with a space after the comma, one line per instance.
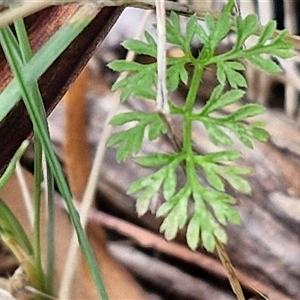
[189, 105]
[50, 225]
[236, 54]
[37, 213]
[193, 90]
[187, 134]
[54, 165]
[188, 121]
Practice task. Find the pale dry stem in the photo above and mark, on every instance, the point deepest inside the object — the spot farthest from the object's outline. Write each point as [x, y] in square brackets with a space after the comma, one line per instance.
[25, 193]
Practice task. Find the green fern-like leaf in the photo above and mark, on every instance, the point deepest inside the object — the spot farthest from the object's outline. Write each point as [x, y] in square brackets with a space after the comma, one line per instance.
[201, 202]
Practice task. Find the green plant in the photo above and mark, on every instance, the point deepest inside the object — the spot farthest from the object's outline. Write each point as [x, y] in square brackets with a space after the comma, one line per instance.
[202, 203]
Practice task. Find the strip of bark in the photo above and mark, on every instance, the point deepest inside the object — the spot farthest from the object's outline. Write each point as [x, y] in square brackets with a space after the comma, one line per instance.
[17, 126]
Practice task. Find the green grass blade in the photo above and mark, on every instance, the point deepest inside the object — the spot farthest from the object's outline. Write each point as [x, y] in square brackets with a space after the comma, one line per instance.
[38, 177]
[41, 131]
[51, 223]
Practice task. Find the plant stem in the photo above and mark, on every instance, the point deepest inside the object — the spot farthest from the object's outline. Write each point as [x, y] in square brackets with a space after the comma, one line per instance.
[162, 93]
[37, 214]
[193, 91]
[49, 195]
[189, 105]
